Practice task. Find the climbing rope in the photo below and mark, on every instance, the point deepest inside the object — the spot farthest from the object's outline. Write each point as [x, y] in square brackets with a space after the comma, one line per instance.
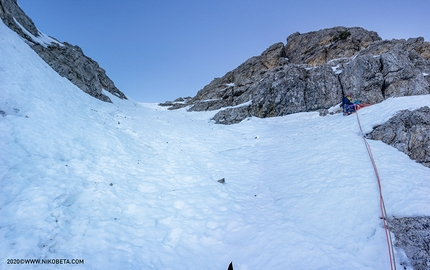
[381, 201]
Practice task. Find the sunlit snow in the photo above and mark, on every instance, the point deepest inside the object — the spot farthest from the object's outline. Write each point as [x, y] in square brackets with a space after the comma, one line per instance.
[134, 186]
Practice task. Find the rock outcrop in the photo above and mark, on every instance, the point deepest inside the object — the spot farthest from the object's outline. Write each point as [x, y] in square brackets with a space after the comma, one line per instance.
[409, 132]
[313, 71]
[413, 236]
[68, 60]
[319, 47]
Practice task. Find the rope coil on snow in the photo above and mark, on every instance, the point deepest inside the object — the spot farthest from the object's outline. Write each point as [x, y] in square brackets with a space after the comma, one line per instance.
[381, 201]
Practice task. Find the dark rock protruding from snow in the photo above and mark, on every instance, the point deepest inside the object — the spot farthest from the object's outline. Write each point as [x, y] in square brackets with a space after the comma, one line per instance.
[409, 132]
[313, 71]
[413, 236]
[68, 60]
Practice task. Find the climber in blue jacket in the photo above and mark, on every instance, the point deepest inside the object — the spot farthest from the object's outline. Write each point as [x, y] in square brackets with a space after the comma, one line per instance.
[350, 107]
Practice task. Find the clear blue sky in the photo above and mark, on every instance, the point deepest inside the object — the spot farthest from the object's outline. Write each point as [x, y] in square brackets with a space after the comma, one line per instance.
[158, 50]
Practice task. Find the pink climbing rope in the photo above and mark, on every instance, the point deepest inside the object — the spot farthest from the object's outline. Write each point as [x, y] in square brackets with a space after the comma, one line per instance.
[381, 200]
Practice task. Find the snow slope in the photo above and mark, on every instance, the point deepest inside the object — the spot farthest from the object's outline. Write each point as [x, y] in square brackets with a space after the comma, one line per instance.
[134, 186]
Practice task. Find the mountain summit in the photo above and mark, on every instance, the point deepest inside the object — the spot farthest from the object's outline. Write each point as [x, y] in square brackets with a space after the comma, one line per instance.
[312, 72]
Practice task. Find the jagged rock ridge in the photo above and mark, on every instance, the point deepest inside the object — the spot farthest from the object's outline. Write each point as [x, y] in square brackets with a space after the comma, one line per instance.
[312, 72]
[68, 60]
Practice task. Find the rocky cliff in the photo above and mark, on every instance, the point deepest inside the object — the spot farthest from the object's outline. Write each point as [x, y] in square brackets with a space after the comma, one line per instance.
[68, 60]
[312, 72]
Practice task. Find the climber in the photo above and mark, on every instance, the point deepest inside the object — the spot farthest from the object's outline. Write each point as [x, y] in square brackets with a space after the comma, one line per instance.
[350, 107]
[347, 105]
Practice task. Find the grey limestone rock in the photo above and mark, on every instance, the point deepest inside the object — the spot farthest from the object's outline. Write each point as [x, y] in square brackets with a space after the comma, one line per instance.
[234, 87]
[409, 132]
[412, 44]
[10, 11]
[412, 234]
[285, 90]
[404, 65]
[363, 79]
[178, 103]
[319, 47]
[281, 92]
[235, 83]
[273, 56]
[401, 76]
[323, 88]
[232, 115]
[68, 60]
[209, 105]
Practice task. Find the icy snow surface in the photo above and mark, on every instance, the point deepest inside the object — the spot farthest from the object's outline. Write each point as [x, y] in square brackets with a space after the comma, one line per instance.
[134, 186]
